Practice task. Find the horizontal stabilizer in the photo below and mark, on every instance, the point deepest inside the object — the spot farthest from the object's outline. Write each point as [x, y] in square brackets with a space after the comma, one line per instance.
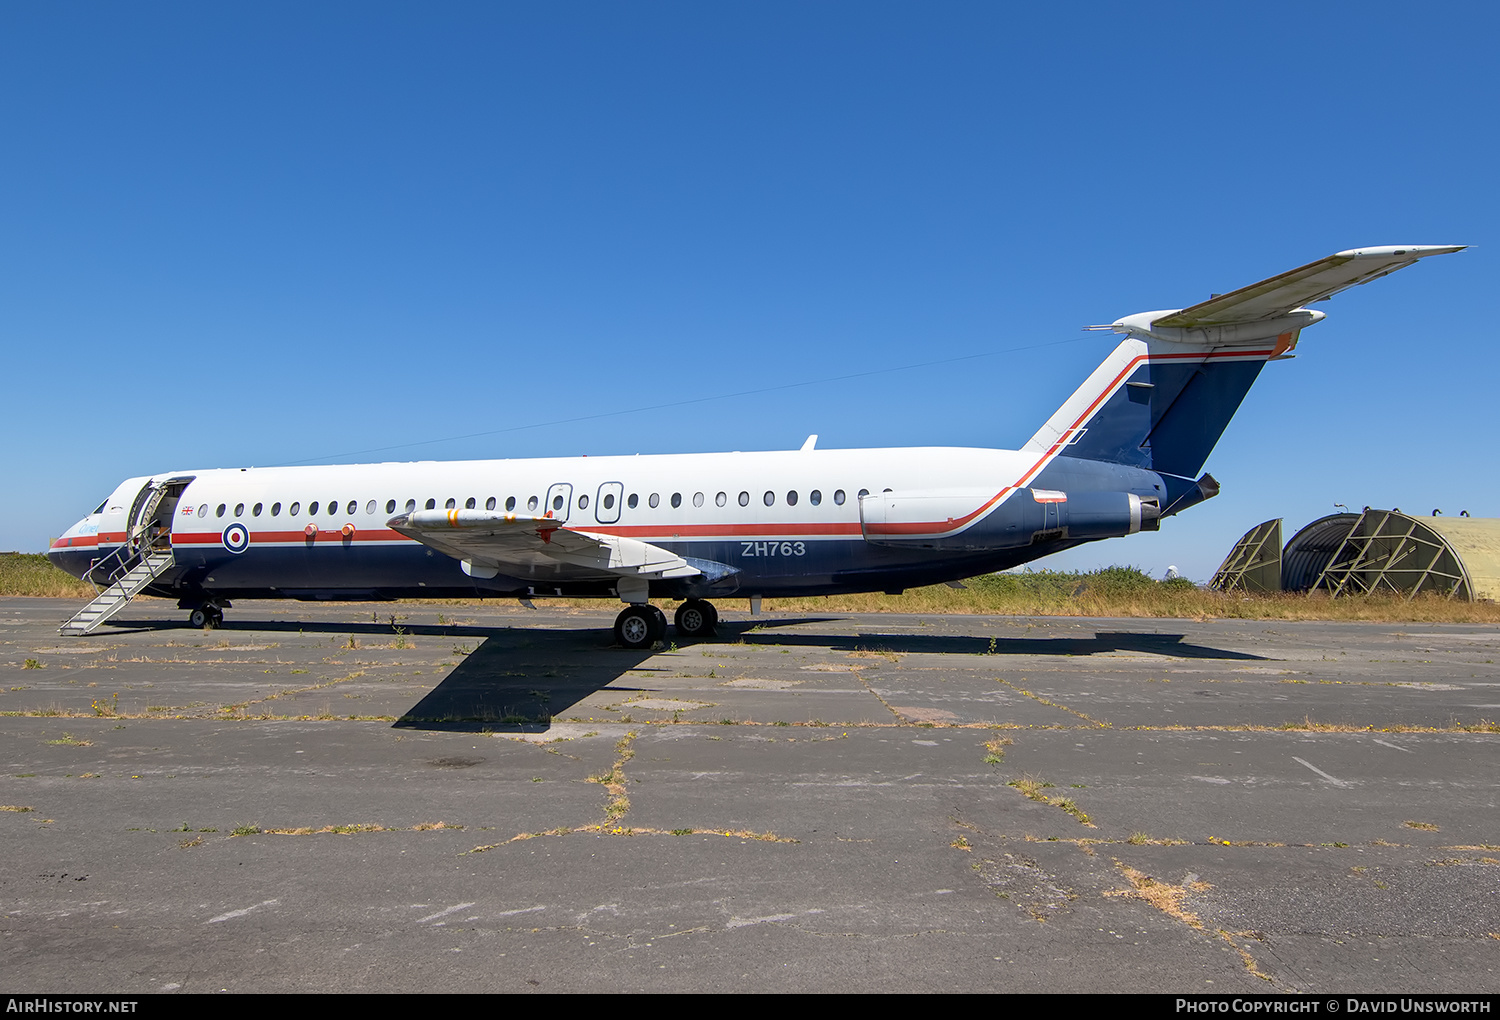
[1316, 281]
[1163, 397]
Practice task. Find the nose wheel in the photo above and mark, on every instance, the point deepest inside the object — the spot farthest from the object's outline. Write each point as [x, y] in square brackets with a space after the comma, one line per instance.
[640, 626]
[206, 618]
[697, 618]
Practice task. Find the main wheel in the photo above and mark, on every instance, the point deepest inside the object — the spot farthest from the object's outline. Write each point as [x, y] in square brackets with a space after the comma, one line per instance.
[696, 618]
[639, 626]
[199, 618]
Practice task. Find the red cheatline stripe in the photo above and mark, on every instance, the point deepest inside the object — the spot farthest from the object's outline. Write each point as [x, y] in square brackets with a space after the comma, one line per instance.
[216, 538]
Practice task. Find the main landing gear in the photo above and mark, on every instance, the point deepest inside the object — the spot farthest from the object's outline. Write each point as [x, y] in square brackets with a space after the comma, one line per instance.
[697, 618]
[641, 626]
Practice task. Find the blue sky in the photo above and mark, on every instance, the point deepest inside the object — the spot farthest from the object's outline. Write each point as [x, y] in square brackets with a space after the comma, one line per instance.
[261, 234]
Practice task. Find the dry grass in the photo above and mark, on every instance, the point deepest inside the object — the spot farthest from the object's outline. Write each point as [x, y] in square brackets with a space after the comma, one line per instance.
[614, 781]
[1032, 787]
[1115, 592]
[1126, 592]
[1162, 895]
[1110, 592]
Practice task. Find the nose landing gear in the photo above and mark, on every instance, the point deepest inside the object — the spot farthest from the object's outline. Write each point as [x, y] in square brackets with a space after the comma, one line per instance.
[208, 617]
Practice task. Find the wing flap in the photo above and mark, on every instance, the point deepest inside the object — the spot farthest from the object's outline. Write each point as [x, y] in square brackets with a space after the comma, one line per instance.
[1315, 281]
[525, 544]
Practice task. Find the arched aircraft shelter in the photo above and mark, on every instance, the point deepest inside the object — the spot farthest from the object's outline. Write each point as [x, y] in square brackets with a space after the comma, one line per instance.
[1373, 551]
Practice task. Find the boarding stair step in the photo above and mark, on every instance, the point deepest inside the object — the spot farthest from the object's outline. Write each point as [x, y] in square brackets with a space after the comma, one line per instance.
[114, 598]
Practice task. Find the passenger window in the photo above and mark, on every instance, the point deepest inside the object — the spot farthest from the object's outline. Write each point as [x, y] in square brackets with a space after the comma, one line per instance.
[292, 510]
[676, 500]
[863, 493]
[312, 508]
[275, 509]
[255, 511]
[655, 501]
[721, 498]
[510, 502]
[452, 504]
[744, 499]
[557, 502]
[390, 506]
[815, 497]
[633, 501]
[431, 504]
[220, 512]
[411, 505]
[333, 506]
[769, 498]
[838, 497]
[239, 509]
[531, 503]
[470, 503]
[583, 502]
[697, 499]
[203, 510]
[370, 507]
[791, 498]
[609, 501]
[353, 507]
[489, 504]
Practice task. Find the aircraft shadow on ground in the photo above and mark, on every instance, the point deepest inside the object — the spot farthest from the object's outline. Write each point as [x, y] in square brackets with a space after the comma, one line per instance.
[517, 679]
[240, 625]
[1174, 645]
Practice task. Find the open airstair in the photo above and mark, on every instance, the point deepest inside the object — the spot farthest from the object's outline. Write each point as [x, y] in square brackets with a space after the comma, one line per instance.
[145, 556]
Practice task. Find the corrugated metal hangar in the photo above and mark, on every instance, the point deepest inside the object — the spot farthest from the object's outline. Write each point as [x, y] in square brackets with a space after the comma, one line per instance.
[1368, 552]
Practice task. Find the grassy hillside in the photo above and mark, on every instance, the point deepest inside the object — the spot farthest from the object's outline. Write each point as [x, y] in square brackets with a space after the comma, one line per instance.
[34, 574]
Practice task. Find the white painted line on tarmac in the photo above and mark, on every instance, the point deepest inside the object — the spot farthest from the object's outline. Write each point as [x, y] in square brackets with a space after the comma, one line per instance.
[444, 913]
[1325, 775]
[1395, 747]
[242, 911]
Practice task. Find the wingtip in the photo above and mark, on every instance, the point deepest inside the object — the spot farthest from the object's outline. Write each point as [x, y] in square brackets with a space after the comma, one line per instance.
[1415, 251]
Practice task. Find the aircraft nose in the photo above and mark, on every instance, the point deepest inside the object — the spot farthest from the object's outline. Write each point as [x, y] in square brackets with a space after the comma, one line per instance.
[72, 552]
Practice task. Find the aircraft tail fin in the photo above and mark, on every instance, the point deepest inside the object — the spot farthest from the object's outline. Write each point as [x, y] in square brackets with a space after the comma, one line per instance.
[1164, 396]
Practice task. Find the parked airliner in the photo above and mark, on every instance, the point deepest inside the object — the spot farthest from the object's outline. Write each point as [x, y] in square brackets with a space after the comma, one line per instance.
[1120, 455]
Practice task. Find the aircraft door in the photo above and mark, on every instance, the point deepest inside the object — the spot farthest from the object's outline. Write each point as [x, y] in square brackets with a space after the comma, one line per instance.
[559, 501]
[607, 506]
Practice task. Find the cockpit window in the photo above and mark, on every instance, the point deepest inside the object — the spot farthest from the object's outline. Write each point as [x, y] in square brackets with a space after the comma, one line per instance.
[100, 508]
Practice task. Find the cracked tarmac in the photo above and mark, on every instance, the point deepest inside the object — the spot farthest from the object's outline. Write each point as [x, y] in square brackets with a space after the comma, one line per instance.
[482, 798]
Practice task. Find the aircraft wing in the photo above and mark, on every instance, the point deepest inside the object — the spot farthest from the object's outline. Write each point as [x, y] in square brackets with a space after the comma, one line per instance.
[488, 542]
[1315, 281]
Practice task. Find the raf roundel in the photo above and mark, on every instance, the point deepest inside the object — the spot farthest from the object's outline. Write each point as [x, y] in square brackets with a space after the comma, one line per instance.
[236, 538]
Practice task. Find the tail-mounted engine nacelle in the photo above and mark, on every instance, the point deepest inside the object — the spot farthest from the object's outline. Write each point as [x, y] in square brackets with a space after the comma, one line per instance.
[971, 521]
